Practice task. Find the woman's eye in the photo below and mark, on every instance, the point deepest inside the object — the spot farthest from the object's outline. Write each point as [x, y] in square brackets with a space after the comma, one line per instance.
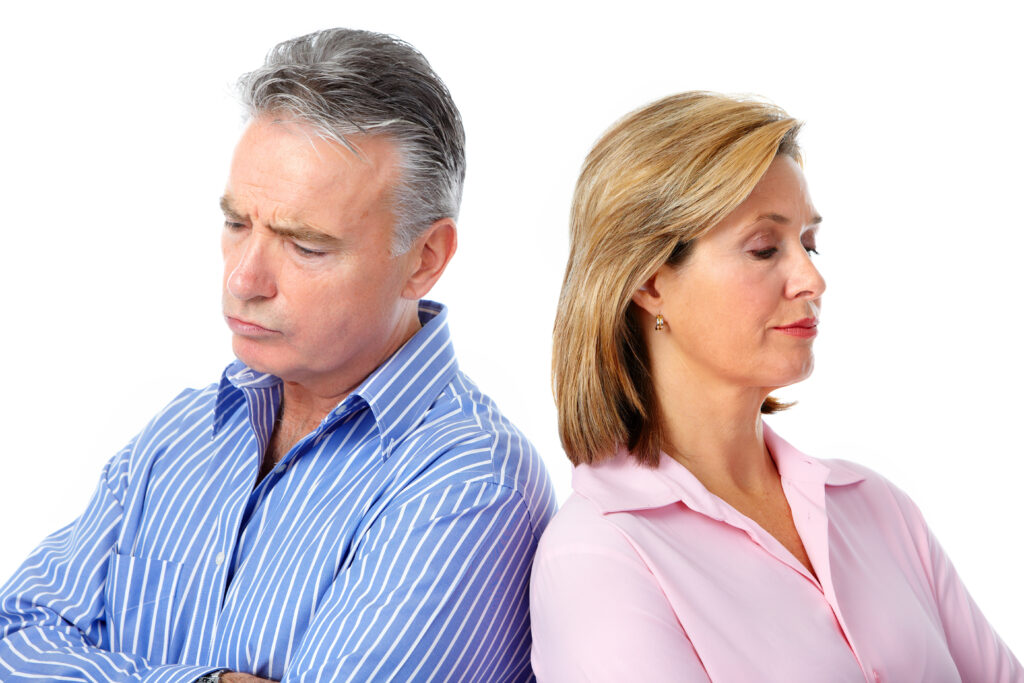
[811, 250]
[764, 254]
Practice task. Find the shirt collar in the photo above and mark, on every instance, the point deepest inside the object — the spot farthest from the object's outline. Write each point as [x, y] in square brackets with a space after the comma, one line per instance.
[621, 484]
[406, 384]
[236, 379]
[398, 392]
[800, 467]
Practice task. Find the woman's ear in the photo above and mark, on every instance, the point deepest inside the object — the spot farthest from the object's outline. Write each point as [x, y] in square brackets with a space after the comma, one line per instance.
[647, 295]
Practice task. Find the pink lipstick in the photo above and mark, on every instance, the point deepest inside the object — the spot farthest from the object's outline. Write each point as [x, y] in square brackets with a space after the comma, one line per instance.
[805, 329]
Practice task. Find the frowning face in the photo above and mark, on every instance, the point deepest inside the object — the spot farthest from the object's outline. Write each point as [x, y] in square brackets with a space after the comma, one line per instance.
[311, 289]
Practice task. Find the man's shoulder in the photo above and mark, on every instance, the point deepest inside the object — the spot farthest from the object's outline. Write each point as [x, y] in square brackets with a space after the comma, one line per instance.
[464, 438]
[465, 421]
[190, 411]
[189, 404]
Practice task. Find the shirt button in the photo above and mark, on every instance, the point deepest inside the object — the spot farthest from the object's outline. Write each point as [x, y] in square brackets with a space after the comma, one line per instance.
[219, 560]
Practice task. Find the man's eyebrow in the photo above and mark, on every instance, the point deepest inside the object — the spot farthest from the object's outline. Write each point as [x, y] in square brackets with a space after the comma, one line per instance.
[304, 233]
[225, 206]
[292, 230]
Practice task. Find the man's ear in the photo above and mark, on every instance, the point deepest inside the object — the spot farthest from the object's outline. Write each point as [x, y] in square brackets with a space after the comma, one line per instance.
[430, 254]
[647, 295]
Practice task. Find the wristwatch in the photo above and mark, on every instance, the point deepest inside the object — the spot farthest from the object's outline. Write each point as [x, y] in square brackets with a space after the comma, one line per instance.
[213, 676]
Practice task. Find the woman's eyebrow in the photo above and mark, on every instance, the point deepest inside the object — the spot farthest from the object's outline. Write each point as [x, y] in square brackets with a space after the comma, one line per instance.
[779, 218]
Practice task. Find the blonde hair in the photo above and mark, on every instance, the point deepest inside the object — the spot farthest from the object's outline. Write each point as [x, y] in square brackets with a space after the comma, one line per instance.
[656, 181]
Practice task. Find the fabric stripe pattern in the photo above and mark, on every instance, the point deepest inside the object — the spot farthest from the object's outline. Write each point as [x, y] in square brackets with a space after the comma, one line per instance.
[393, 542]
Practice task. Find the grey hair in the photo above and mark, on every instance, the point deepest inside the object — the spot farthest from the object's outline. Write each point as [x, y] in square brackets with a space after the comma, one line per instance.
[343, 83]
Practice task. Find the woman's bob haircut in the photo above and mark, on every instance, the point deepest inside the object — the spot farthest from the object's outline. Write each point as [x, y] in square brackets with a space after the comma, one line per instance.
[656, 181]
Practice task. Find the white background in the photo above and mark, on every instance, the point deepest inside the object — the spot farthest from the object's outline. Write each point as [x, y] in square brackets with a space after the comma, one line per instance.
[118, 124]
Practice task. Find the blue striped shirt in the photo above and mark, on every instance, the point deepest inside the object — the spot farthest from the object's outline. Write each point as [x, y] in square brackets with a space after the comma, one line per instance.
[393, 542]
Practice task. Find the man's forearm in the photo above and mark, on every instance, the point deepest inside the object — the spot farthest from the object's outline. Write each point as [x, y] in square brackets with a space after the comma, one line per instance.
[39, 653]
[235, 677]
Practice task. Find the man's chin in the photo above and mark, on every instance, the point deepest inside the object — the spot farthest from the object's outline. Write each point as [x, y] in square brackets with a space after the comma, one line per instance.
[250, 353]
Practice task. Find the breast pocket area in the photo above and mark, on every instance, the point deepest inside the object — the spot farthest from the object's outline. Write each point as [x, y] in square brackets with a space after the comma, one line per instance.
[140, 598]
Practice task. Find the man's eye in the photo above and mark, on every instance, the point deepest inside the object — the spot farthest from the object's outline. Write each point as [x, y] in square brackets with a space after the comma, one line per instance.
[231, 225]
[307, 252]
[764, 254]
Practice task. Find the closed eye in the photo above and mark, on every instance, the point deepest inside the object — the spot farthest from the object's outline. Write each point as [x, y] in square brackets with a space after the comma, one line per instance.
[303, 251]
[764, 254]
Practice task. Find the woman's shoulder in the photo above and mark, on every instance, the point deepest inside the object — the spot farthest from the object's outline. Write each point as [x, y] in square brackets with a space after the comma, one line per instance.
[590, 519]
[578, 527]
[844, 479]
[870, 507]
[873, 485]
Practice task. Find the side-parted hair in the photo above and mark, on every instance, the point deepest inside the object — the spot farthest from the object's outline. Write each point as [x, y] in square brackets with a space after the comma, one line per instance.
[659, 179]
[345, 83]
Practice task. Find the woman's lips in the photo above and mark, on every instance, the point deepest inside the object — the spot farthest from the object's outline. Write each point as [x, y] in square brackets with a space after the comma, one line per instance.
[805, 329]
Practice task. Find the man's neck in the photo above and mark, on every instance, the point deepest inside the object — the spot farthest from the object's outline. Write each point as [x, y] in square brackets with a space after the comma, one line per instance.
[305, 404]
[317, 396]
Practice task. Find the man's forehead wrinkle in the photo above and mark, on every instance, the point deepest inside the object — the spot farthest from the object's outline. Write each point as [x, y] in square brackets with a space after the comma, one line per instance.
[310, 189]
[282, 216]
[299, 183]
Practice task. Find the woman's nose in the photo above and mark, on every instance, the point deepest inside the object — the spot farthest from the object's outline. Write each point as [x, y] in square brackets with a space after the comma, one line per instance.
[805, 280]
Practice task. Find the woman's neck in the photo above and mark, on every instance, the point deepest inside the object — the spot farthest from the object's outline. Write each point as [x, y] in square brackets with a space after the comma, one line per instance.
[715, 432]
[714, 429]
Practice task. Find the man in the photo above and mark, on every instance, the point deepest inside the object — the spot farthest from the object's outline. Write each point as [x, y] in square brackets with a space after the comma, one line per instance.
[344, 504]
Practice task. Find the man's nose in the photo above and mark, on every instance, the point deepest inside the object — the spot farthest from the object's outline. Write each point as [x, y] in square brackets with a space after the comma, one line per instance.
[252, 276]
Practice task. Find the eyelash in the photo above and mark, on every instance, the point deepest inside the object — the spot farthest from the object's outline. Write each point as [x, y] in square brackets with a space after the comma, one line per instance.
[310, 253]
[765, 254]
[302, 251]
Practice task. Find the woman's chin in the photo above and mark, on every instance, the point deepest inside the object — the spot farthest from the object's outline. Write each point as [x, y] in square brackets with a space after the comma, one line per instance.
[790, 375]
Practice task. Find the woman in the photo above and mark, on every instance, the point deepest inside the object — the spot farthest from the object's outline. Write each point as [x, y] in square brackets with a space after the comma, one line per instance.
[698, 545]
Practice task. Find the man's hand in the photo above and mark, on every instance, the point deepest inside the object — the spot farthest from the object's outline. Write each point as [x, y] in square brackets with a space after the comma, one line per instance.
[235, 677]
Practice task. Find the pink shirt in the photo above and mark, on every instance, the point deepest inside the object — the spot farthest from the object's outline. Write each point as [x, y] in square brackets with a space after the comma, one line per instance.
[644, 575]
